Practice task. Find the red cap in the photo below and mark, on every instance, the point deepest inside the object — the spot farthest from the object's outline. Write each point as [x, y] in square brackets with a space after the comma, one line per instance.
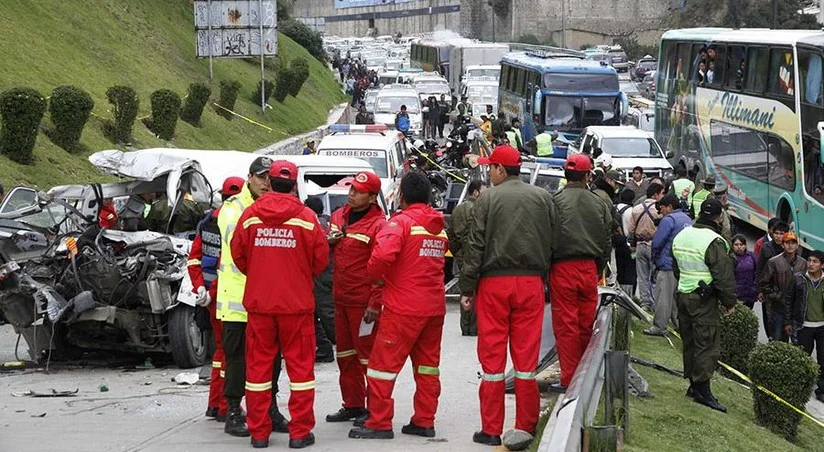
[232, 186]
[578, 162]
[366, 182]
[283, 169]
[504, 155]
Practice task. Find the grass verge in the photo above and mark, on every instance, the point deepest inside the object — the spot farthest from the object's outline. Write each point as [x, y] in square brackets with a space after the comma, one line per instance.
[148, 45]
[670, 421]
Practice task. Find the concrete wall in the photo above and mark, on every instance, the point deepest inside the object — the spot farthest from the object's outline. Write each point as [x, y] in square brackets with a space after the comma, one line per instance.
[587, 21]
[407, 18]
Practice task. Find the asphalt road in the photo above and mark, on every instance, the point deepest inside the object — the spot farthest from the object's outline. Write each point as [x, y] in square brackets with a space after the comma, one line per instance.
[143, 410]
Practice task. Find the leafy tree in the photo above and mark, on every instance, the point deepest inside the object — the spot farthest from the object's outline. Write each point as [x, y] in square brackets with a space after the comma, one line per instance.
[305, 36]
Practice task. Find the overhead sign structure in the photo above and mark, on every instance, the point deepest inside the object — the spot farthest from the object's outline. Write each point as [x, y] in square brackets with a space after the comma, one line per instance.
[236, 29]
[359, 3]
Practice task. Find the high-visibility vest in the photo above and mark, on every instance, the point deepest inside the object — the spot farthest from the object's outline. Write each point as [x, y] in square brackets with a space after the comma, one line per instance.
[689, 249]
[519, 137]
[678, 186]
[510, 135]
[699, 198]
[543, 142]
[232, 283]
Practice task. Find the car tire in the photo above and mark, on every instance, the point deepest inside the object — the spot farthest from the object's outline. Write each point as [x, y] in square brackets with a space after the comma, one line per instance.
[188, 342]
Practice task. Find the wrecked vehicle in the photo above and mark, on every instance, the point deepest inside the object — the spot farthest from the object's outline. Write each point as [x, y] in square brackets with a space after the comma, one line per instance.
[67, 285]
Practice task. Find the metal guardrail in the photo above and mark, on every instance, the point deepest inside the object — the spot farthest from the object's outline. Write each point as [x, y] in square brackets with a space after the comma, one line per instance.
[577, 407]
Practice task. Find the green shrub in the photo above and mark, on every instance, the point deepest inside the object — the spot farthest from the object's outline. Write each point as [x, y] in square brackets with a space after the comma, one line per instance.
[739, 336]
[285, 80]
[22, 109]
[300, 72]
[303, 35]
[69, 108]
[165, 111]
[124, 107]
[228, 95]
[197, 98]
[268, 88]
[787, 371]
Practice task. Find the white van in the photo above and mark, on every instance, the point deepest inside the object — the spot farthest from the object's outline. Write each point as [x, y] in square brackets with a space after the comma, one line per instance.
[388, 104]
[429, 84]
[628, 146]
[385, 150]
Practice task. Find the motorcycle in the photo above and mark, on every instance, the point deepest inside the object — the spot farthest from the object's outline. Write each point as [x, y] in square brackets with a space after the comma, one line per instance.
[68, 286]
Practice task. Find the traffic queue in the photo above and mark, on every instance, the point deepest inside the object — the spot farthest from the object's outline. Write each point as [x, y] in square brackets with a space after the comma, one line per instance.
[257, 258]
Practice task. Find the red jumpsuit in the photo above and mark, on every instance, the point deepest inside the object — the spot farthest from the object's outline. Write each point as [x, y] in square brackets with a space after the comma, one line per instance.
[107, 217]
[574, 286]
[195, 267]
[280, 247]
[409, 258]
[353, 292]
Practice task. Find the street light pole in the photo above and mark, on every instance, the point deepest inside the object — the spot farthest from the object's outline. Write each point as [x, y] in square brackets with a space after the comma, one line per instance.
[563, 23]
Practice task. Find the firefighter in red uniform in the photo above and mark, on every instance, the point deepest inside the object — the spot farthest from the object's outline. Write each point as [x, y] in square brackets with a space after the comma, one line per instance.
[202, 265]
[408, 260]
[107, 216]
[280, 247]
[505, 262]
[353, 231]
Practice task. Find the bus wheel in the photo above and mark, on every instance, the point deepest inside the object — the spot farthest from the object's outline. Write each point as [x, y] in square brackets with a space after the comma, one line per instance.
[786, 215]
[699, 175]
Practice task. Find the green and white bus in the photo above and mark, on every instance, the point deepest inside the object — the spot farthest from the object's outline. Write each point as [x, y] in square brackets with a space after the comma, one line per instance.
[747, 107]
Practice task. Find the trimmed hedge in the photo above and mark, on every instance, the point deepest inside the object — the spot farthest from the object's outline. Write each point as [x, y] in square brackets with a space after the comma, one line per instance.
[305, 36]
[228, 96]
[69, 108]
[124, 107]
[285, 81]
[300, 73]
[739, 336]
[787, 371]
[196, 99]
[268, 88]
[165, 111]
[21, 110]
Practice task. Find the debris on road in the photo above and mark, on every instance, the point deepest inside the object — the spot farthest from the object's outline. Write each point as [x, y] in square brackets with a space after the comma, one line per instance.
[103, 388]
[53, 393]
[39, 415]
[186, 378]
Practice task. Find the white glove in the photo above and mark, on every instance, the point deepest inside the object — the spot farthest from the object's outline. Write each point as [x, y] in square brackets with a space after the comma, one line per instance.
[203, 297]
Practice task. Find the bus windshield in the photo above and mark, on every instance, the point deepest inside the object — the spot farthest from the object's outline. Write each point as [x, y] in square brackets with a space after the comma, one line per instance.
[575, 113]
[474, 73]
[481, 91]
[581, 83]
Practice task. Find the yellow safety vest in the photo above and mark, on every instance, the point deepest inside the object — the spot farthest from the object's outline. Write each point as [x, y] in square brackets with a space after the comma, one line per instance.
[699, 198]
[510, 135]
[543, 142]
[689, 249]
[231, 282]
[678, 186]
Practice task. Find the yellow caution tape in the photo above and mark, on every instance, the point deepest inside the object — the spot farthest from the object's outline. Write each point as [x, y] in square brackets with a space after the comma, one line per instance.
[741, 375]
[442, 168]
[247, 119]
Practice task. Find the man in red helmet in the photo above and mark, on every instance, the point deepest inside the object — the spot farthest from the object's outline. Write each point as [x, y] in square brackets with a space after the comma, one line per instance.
[582, 242]
[280, 247]
[202, 266]
[353, 230]
[505, 264]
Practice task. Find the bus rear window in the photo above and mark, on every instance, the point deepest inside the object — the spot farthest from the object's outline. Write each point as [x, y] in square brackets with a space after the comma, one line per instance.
[579, 83]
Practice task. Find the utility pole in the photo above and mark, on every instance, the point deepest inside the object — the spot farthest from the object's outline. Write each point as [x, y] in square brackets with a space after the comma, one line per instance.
[775, 14]
[563, 23]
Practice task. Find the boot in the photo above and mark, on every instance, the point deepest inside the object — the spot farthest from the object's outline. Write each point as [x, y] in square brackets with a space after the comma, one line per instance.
[260, 443]
[368, 433]
[703, 395]
[345, 414]
[691, 390]
[300, 443]
[279, 422]
[483, 438]
[360, 421]
[235, 422]
[211, 411]
[412, 429]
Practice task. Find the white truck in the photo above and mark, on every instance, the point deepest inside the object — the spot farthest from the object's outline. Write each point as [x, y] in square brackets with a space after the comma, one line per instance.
[473, 54]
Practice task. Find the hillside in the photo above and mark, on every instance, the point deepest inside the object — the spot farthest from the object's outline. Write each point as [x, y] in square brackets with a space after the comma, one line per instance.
[148, 45]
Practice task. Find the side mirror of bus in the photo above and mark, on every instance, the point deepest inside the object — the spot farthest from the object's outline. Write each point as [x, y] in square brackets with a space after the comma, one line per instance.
[821, 141]
[536, 102]
[669, 154]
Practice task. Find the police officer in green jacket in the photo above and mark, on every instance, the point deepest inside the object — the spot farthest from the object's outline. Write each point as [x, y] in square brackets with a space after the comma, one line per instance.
[702, 195]
[705, 270]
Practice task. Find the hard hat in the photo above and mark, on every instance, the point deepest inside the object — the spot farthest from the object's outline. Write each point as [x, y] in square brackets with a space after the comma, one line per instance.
[604, 160]
[418, 143]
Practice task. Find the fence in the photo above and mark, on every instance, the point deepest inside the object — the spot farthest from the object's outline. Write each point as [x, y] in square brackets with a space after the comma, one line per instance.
[570, 425]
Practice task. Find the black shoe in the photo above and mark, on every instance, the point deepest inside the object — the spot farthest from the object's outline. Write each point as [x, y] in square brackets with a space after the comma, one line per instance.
[306, 441]
[279, 423]
[211, 411]
[235, 423]
[473, 333]
[710, 401]
[368, 433]
[412, 429]
[260, 443]
[345, 414]
[222, 418]
[464, 333]
[360, 421]
[557, 388]
[324, 358]
[490, 440]
[691, 392]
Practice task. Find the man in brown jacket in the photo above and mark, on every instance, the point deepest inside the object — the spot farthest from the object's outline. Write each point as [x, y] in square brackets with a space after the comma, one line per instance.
[776, 280]
[642, 227]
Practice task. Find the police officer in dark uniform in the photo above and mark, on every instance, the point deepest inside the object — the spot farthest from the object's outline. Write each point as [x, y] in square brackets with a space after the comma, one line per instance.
[705, 270]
